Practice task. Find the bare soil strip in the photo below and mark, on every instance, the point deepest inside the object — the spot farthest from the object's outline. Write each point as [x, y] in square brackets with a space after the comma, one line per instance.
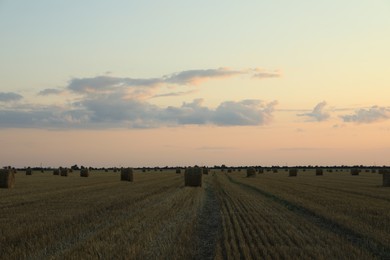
[369, 244]
[209, 224]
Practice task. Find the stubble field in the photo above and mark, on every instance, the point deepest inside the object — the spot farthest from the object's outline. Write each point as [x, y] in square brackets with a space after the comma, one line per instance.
[271, 216]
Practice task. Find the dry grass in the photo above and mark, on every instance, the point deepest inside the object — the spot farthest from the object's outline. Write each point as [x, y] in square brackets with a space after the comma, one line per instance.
[357, 209]
[99, 217]
[336, 216]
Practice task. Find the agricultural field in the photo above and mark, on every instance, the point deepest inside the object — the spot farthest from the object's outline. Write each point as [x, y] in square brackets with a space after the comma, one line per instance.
[269, 216]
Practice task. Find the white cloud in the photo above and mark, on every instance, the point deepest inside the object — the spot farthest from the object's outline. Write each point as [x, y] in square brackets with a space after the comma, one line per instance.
[111, 102]
[318, 113]
[246, 112]
[369, 115]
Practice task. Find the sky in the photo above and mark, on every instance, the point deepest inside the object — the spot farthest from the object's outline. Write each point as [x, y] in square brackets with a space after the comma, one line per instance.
[178, 83]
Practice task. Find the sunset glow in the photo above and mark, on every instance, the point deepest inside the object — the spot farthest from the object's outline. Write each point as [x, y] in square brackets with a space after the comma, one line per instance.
[128, 83]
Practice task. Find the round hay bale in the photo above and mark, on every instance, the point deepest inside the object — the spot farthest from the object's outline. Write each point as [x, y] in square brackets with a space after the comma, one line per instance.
[84, 172]
[251, 172]
[260, 170]
[355, 171]
[385, 177]
[319, 172]
[56, 172]
[127, 174]
[7, 178]
[293, 172]
[193, 177]
[64, 172]
[29, 171]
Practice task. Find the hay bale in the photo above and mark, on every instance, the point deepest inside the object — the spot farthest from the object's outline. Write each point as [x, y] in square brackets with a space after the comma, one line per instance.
[29, 171]
[193, 177]
[251, 172]
[355, 171]
[127, 174]
[7, 178]
[178, 170]
[319, 172]
[84, 172]
[64, 172]
[56, 172]
[293, 172]
[260, 170]
[385, 177]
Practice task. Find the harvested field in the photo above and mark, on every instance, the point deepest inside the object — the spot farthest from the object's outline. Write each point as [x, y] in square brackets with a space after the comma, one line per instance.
[229, 217]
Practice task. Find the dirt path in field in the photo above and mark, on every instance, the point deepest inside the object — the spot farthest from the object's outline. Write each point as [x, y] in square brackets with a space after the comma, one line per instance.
[209, 225]
[375, 247]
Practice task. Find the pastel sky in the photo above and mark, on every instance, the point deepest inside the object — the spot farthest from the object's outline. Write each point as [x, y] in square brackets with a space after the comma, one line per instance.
[156, 83]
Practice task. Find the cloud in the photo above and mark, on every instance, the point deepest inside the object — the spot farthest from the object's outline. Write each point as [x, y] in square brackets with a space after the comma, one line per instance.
[193, 77]
[369, 115]
[175, 94]
[299, 149]
[216, 148]
[122, 102]
[107, 84]
[142, 87]
[318, 114]
[114, 111]
[262, 73]
[247, 112]
[50, 91]
[9, 96]
[42, 117]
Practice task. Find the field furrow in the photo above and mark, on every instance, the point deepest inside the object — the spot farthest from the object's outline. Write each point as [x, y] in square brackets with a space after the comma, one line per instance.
[275, 230]
[318, 213]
